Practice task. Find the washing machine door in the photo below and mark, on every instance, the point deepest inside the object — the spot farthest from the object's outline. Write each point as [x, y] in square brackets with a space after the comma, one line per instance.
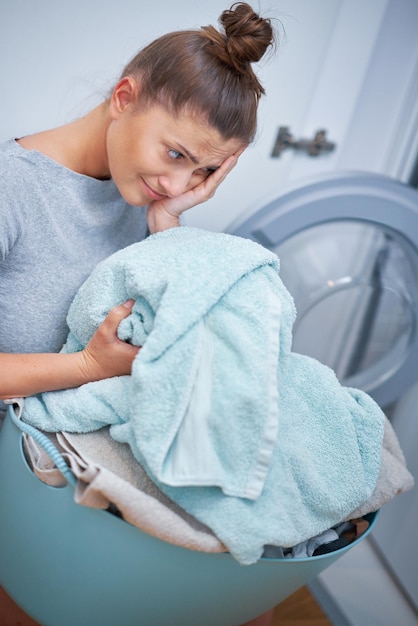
[348, 248]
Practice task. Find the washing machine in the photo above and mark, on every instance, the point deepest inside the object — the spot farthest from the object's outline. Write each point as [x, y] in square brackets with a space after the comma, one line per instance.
[348, 249]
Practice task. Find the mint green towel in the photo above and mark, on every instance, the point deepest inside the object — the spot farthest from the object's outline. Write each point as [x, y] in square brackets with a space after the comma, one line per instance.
[210, 311]
[262, 445]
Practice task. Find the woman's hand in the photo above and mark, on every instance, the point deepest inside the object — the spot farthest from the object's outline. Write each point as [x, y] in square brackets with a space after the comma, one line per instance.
[164, 214]
[106, 355]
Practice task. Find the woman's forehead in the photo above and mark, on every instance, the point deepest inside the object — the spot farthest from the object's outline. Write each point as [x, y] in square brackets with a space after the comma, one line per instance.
[196, 138]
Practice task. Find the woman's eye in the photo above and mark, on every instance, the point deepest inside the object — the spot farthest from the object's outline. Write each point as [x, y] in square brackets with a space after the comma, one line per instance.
[175, 154]
[207, 171]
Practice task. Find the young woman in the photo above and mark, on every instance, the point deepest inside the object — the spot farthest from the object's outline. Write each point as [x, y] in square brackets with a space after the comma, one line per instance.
[173, 127]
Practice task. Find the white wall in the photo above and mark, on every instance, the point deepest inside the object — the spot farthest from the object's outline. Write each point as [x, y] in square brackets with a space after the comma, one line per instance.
[59, 58]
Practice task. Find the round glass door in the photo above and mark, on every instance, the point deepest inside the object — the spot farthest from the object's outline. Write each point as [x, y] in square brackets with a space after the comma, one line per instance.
[348, 249]
[355, 289]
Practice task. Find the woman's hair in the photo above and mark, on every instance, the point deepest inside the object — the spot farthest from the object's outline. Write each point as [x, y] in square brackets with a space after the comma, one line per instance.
[208, 71]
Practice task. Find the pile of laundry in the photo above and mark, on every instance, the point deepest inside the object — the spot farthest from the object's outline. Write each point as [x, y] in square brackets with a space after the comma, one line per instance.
[237, 442]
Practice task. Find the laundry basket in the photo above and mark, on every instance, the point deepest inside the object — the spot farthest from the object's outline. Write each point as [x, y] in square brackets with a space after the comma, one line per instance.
[68, 565]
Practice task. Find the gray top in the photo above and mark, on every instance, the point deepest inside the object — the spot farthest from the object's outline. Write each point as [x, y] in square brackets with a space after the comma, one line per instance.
[55, 226]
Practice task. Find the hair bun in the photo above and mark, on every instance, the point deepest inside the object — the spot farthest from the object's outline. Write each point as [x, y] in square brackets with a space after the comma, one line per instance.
[247, 34]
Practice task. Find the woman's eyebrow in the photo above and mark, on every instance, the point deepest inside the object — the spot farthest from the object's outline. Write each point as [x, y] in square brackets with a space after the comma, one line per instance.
[194, 159]
[187, 153]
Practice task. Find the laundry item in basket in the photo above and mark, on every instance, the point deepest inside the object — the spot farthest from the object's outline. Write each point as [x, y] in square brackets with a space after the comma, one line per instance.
[109, 477]
[262, 445]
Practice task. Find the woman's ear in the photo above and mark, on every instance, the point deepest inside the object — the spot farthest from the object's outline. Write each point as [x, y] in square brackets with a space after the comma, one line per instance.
[124, 95]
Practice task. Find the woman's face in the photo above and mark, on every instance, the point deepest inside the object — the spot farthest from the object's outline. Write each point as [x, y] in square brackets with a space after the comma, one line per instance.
[151, 154]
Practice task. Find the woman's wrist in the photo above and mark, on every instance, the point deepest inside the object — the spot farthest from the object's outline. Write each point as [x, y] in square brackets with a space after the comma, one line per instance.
[160, 219]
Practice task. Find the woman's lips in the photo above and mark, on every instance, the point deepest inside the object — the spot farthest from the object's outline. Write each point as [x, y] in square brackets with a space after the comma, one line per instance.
[151, 193]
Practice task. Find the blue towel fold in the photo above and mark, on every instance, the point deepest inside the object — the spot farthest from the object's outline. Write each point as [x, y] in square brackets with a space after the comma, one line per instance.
[262, 445]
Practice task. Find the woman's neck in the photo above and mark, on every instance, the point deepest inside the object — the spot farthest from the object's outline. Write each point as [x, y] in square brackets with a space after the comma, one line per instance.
[80, 145]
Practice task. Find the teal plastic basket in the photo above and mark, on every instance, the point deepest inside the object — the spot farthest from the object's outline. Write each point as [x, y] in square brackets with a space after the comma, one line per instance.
[68, 565]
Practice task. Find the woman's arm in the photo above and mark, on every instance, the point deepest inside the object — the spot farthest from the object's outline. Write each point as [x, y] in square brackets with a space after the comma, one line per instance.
[104, 356]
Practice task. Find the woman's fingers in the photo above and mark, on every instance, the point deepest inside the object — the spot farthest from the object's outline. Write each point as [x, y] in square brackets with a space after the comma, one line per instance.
[115, 316]
[106, 355]
[202, 192]
[164, 214]
[207, 188]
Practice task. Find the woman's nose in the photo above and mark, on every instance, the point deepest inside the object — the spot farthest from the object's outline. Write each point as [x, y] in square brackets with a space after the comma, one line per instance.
[175, 184]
